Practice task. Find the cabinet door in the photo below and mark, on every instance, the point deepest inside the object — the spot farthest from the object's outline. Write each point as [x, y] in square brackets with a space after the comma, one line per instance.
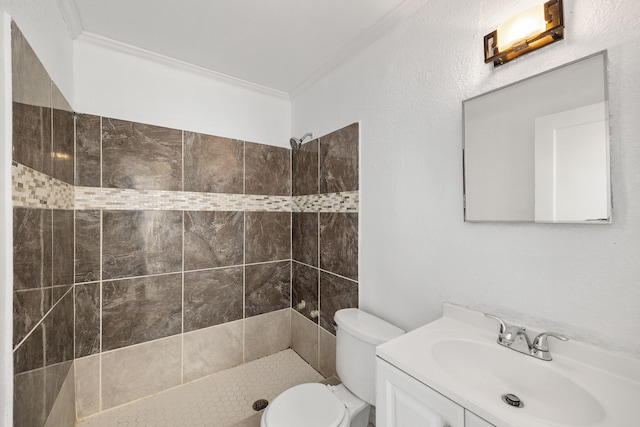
[403, 401]
[472, 420]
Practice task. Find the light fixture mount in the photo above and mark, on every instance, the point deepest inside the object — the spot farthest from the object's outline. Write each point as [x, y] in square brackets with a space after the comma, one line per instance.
[550, 21]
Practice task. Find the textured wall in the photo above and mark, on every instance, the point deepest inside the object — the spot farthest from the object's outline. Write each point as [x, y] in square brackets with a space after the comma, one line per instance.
[415, 250]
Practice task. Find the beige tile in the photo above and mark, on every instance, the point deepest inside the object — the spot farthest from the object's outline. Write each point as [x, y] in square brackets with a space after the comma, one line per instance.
[212, 349]
[266, 334]
[327, 353]
[87, 377]
[140, 370]
[252, 421]
[31, 82]
[304, 338]
[63, 413]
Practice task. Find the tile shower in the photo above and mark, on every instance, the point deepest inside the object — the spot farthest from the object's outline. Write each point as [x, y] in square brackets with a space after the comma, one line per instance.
[147, 257]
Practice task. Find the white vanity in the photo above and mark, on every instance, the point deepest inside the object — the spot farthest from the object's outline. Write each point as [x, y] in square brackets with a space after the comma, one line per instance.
[453, 373]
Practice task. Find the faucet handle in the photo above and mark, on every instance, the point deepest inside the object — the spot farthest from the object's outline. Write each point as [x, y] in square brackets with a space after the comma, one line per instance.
[503, 325]
[540, 342]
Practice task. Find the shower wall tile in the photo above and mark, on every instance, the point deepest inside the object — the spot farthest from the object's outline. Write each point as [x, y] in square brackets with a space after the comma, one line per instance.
[54, 377]
[135, 372]
[29, 307]
[137, 243]
[62, 412]
[335, 293]
[62, 157]
[31, 82]
[63, 253]
[304, 338]
[304, 237]
[211, 350]
[58, 327]
[141, 309]
[267, 334]
[213, 164]
[304, 286]
[87, 246]
[305, 169]
[28, 398]
[32, 136]
[268, 170]
[30, 354]
[268, 236]
[87, 319]
[88, 134]
[32, 264]
[87, 377]
[327, 354]
[140, 156]
[267, 287]
[339, 243]
[339, 169]
[212, 297]
[213, 239]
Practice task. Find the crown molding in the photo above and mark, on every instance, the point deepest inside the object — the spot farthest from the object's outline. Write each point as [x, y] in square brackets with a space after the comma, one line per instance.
[114, 45]
[370, 35]
[71, 17]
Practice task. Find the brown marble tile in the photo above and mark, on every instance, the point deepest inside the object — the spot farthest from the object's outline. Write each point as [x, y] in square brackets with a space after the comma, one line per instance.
[304, 285]
[339, 243]
[58, 292]
[87, 260]
[335, 293]
[63, 253]
[213, 239]
[140, 156]
[138, 243]
[30, 354]
[88, 150]
[212, 297]
[304, 237]
[267, 287]
[87, 319]
[339, 169]
[32, 136]
[29, 307]
[213, 164]
[62, 156]
[267, 170]
[31, 82]
[141, 309]
[59, 332]
[304, 179]
[268, 236]
[31, 248]
[28, 399]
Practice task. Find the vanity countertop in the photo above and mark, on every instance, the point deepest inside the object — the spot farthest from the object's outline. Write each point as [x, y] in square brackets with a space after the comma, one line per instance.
[458, 356]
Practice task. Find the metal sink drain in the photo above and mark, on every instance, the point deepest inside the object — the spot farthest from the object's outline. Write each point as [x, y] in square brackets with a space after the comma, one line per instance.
[260, 404]
[512, 400]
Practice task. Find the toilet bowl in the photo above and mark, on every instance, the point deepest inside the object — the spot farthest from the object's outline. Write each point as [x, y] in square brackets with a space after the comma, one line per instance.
[346, 405]
[316, 405]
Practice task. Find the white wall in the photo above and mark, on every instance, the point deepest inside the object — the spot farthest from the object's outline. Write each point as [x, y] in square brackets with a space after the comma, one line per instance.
[415, 250]
[115, 84]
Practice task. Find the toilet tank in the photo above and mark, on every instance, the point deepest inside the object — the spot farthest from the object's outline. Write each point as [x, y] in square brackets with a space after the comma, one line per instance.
[358, 333]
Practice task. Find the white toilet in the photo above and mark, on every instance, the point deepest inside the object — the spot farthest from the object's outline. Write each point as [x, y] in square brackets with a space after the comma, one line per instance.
[345, 405]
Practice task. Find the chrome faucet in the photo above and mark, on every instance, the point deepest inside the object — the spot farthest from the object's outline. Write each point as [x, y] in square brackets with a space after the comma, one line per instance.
[516, 338]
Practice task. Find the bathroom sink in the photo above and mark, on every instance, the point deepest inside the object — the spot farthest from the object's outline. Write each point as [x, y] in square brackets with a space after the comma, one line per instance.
[458, 356]
[487, 368]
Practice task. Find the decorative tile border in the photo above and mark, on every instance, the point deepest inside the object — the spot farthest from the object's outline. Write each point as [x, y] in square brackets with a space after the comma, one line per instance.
[33, 189]
[348, 201]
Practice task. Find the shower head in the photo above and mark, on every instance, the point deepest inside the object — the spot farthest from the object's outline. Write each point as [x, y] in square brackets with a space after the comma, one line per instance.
[297, 142]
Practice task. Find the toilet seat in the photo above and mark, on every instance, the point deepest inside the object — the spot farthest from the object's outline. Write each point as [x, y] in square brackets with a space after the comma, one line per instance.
[309, 405]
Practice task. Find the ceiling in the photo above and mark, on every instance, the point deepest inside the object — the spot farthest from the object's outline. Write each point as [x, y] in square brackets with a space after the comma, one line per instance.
[276, 44]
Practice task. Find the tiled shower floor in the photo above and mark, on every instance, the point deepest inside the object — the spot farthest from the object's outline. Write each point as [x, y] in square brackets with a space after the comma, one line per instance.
[221, 400]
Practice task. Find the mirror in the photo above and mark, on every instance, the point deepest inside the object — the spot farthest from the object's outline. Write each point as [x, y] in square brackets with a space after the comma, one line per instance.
[538, 150]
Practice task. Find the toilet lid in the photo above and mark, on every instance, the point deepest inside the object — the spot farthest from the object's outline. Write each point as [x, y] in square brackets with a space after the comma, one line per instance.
[309, 405]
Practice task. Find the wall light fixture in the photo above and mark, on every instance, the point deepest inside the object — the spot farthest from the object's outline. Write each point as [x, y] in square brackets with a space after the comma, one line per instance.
[525, 32]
